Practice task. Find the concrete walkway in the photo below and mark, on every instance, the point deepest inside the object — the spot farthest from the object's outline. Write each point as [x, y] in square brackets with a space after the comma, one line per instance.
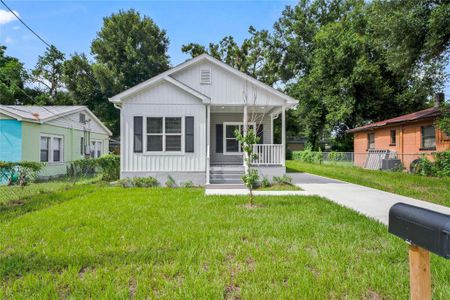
[367, 201]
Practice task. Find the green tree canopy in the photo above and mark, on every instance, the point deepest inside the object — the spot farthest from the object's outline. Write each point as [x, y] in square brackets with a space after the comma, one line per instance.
[12, 77]
[128, 49]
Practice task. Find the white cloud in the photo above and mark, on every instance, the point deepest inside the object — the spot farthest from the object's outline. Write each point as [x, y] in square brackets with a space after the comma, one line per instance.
[6, 16]
[16, 27]
[8, 40]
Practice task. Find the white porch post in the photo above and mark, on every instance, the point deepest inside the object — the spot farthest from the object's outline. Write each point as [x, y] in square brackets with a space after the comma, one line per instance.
[283, 134]
[245, 121]
[208, 128]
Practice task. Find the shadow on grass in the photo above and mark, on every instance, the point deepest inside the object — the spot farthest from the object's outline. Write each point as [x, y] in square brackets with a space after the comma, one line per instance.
[17, 265]
[291, 170]
[17, 208]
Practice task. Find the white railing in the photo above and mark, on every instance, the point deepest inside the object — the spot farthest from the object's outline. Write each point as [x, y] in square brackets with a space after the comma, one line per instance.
[268, 154]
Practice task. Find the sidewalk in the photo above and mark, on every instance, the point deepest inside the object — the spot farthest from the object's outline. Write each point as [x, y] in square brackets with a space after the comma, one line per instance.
[367, 201]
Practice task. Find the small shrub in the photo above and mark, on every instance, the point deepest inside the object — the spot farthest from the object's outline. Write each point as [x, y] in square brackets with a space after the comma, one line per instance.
[285, 179]
[142, 182]
[334, 156]
[423, 166]
[171, 182]
[20, 173]
[288, 154]
[265, 182]
[145, 182]
[308, 155]
[442, 163]
[110, 166]
[187, 184]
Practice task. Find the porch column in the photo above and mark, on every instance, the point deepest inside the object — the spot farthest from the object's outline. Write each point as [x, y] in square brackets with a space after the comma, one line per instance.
[208, 128]
[283, 134]
[245, 121]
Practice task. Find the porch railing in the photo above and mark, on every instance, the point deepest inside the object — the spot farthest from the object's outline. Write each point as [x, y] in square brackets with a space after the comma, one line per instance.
[268, 154]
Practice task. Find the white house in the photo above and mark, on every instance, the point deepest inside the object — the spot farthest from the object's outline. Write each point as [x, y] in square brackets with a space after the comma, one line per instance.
[181, 123]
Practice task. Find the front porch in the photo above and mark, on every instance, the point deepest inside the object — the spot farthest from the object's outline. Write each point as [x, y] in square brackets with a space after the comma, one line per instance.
[224, 154]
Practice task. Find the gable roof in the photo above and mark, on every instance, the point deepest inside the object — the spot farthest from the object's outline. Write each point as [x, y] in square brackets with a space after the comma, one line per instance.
[415, 116]
[203, 57]
[43, 114]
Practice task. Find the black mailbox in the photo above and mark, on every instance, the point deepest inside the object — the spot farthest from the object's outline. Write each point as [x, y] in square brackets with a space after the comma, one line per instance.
[422, 227]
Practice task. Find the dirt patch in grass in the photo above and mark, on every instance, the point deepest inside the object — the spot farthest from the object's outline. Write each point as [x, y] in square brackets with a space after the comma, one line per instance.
[279, 187]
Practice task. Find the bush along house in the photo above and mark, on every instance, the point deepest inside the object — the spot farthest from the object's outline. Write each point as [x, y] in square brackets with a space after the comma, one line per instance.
[53, 135]
[406, 137]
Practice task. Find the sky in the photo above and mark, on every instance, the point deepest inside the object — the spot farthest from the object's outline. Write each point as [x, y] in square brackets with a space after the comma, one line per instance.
[72, 25]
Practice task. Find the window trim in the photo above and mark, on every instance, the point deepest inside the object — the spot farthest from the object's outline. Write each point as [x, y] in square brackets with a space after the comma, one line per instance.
[224, 137]
[395, 137]
[164, 152]
[50, 148]
[96, 141]
[368, 141]
[422, 147]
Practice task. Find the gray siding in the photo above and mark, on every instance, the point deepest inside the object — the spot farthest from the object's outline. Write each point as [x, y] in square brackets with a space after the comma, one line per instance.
[220, 118]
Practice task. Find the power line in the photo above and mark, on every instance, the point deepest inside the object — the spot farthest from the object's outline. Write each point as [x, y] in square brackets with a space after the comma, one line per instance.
[29, 28]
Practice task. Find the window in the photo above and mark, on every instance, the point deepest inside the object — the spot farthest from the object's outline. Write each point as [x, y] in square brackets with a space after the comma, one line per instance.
[231, 145]
[45, 146]
[57, 147]
[428, 138]
[164, 134]
[371, 141]
[82, 146]
[52, 149]
[393, 137]
[137, 130]
[82, 118]
[96, 149]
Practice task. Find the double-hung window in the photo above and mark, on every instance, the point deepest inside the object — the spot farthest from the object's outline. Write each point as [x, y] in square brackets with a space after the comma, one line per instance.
[96, 149]
[231, 145]
[371, 141]
[428, 137]
[52, 149]
[164, 134]
[45, 148]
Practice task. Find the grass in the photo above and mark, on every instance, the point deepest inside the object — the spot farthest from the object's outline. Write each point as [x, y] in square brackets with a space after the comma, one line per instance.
[279, 187]
[18, 193]
[432, 189]
[110, 242]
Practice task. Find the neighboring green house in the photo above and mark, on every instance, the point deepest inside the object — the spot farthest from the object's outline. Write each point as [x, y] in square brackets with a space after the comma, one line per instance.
[54, 135]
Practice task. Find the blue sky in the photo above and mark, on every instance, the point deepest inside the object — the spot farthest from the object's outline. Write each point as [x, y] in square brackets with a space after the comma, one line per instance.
[72, 25]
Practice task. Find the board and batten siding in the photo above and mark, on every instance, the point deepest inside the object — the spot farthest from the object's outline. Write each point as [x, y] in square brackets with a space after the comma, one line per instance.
[164, 100]
[226, 88]
[220, 118]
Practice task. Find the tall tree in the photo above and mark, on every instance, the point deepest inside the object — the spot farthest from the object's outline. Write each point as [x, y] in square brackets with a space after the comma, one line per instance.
[12, 77]
[128, 49]
[84, 89]
[48, 72]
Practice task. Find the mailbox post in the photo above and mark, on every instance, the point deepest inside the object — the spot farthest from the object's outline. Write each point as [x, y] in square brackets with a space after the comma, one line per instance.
[425, 230]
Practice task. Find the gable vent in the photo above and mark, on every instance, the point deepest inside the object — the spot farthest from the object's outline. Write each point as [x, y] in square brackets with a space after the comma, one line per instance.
[205, 76]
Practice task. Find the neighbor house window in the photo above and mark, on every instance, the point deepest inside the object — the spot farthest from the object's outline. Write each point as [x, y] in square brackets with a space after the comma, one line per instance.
[393, 137]
[96, 149]
[371, 141]
[428, 137]
[52, 149]
[57, 147]
[45, 146]
[164, 134]
[231, 145]
[82, 146]
[82, 118]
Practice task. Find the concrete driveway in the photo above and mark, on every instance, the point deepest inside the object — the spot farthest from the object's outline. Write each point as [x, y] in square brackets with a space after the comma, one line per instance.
[367, 201]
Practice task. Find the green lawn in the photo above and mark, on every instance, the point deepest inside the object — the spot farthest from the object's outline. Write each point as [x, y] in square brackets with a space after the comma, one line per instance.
[9, 193]
[432, 189]
[110, 242]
